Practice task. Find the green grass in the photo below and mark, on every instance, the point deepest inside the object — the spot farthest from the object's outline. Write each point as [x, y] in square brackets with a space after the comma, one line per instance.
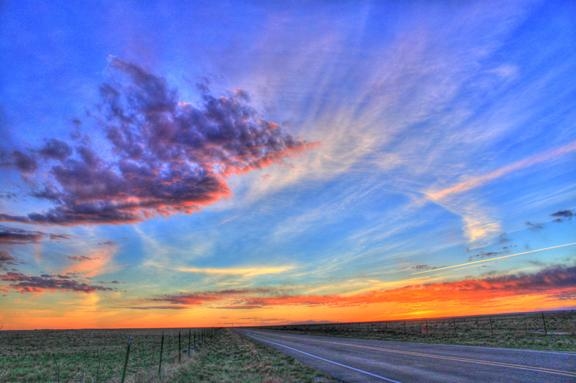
[93, 356]
[235, 359]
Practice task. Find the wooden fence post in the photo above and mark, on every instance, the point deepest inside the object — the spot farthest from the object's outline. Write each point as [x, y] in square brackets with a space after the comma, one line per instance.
[179, 348]
[126, 359]
[189, 339]
[544, 323]
[160, 362]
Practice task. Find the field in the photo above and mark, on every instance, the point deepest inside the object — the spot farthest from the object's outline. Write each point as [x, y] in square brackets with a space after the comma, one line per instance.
[91, 356]
[220, 355]
[542, 330]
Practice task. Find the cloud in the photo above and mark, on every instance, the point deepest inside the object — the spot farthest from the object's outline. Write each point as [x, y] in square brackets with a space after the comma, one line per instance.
[155, 308]
[164, 156]
[13, 236]
[553, 280]
[534, 226]
[497, 258]
[98, 261]
[199, 298]
[7, 259]
[562, 215]
[238, 271]
[422, 267]
[480, 180]
[46, 282]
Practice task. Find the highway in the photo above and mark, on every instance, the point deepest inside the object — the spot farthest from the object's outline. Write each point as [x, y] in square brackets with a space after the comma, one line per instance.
[364, 360]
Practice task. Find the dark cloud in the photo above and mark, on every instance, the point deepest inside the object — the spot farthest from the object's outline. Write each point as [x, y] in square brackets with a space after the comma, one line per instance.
[7, 259]
[26, 163]
[12, 236]
[56, 149]
[163, 156]
[79, 258]
[535, 226]
[423, 267]
[198, 298]
[17, 236]
[562, 215]
[33, 283]
[486, 254]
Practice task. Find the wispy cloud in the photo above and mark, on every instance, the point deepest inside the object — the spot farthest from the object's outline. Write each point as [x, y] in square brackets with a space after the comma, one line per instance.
[12, 236]
[481, 180]
[494, 259]
[98, 261]
[245, 272]
[552, 280]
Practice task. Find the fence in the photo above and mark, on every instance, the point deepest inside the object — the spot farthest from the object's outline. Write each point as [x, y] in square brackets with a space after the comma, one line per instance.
[98, 356]
[558, 323]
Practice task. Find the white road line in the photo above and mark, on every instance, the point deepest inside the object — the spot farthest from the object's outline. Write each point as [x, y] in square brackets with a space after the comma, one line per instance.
[450, 358]
[328, 360]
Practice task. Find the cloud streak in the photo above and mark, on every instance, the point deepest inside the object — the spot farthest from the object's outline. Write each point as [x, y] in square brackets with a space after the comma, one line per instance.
[164, 156]
[237, 271]
[553, 280]
[46, 282]
[493, 259]
[13, 236]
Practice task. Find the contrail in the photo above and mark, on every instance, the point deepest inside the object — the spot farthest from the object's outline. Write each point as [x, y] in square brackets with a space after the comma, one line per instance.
[461, 265]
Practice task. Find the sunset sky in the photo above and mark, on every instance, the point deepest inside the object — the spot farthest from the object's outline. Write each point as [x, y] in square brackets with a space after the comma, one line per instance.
[220, 163]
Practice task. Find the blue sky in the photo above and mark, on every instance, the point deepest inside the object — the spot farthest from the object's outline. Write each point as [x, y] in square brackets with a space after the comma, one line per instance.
[428, 134]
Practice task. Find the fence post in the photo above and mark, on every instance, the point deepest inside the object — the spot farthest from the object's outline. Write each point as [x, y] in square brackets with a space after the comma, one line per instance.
[97, 379]
[491, 327]
[544, 323]
[57, 369]
[160, 363]
[179, 348]
[126, 359]
[189, 339]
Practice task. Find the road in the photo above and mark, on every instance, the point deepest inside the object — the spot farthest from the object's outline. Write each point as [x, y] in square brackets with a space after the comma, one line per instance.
[366, 360]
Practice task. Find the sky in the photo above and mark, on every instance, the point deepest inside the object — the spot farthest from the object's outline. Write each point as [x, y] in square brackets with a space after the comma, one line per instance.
[200, 163]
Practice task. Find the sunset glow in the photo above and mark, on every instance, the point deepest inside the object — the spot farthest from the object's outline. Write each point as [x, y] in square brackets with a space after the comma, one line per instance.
[243, 163]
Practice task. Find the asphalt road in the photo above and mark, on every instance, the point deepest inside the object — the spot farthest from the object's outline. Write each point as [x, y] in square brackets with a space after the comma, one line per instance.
[365, 360]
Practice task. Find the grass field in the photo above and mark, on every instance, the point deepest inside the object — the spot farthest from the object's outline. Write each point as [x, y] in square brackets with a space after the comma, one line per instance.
[88, 355]
[91, 356]
[98, 356]
[543, 331]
